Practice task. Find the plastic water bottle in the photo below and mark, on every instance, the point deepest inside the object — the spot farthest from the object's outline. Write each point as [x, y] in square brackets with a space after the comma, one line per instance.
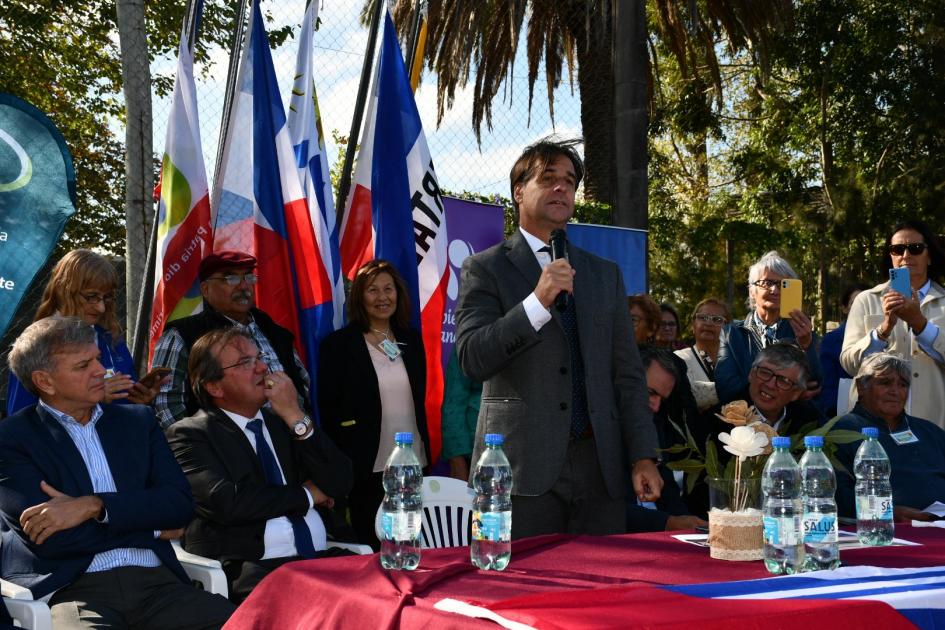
[874, 505]
[401, 511]
[491, 545]
[820, 508]
[781, 483]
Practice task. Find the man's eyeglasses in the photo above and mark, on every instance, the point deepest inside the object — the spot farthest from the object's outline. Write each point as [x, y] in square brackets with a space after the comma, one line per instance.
[247, 363]
[766, 284]
[899, 249]
[718, 320]
[781, 382]
[96, 298]
[233, 279]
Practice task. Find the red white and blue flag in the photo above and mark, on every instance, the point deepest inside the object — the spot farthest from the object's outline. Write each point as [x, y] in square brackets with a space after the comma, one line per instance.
[395, 211]
[260, 205]
[183, 221]
[849, 597]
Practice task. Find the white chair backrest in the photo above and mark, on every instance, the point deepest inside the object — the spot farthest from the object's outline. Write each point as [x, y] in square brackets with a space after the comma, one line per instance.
[447, 513]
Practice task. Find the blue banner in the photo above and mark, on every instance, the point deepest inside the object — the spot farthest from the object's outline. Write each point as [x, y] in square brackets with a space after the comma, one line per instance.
[37, 196]
[624, 246]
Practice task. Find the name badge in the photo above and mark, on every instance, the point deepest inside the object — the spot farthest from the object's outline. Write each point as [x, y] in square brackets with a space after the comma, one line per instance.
[904, 437]
[390, 348]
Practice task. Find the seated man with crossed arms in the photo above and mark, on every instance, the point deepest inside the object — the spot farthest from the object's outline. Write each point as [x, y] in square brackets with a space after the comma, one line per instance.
[264, 479]
[90, 495]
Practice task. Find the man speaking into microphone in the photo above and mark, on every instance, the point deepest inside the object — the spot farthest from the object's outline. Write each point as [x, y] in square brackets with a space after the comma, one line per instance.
[545, 327]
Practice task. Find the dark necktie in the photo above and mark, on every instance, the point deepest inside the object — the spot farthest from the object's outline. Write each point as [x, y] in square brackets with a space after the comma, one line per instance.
[303, 536]
[580, 419]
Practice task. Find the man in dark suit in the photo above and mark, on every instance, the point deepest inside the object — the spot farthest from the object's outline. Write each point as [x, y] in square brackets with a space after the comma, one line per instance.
[264, 480]
[90, 495]
[565, 387]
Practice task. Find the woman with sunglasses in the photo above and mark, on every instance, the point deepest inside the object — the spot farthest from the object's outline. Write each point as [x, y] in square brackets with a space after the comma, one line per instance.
[708, 318]
[884, 320]
[82, 284]
[742, 340]
[371, 385]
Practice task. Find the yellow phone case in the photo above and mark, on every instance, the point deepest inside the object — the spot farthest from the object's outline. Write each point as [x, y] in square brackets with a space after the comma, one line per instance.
[792, 291]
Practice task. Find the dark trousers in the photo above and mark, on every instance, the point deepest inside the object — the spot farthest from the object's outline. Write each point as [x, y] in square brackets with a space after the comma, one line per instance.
[578, 502]
[363, 500]
[137, 597]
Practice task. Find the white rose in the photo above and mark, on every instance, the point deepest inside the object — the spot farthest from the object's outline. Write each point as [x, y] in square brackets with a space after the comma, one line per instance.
[744, 442]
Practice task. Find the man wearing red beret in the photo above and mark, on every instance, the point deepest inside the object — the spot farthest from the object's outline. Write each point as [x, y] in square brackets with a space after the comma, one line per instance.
[227, 283]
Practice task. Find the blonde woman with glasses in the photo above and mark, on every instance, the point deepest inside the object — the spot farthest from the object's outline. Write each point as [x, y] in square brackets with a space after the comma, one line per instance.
[82, 284]
[708, 318]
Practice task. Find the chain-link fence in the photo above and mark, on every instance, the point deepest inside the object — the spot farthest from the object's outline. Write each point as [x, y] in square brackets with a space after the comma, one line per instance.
[463, 164]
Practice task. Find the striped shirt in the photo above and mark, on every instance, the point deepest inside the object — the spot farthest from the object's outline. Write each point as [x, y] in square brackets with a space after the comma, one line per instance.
[90, 448]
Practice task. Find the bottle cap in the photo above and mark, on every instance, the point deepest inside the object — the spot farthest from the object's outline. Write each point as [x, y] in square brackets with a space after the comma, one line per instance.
[781, 442]
[404, 438]
[814, 441]
[494, 439]
[871, 432]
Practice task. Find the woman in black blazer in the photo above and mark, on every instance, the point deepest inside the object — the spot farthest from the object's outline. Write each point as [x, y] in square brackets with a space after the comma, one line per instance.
[372, 384]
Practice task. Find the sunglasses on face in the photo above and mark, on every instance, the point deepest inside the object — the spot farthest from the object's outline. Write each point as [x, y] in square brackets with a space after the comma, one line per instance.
[233, 279]
[899, 249]
[718, 320]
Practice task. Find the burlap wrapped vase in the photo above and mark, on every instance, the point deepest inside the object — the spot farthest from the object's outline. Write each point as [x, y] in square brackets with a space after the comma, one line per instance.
[735, 519]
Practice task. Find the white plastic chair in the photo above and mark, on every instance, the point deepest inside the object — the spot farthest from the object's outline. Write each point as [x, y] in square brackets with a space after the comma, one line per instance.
[206, 571]
[29, 613]
[26, 612]
[447, 513]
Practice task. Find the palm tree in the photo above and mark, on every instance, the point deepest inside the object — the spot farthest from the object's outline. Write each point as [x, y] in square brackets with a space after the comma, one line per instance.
[477, 41]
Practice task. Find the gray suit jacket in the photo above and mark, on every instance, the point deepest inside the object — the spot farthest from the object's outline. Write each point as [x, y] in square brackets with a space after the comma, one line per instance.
[526, 374]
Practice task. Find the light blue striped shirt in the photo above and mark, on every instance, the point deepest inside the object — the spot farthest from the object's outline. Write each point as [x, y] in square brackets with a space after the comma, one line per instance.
[90, 448]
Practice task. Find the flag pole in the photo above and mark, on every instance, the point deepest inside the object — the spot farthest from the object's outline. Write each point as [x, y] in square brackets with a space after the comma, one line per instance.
[344, 185]
[236, 51]
[418, 43]
[146, 297]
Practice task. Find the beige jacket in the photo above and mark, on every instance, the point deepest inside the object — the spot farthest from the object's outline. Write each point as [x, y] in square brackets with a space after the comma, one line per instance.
[927, 394]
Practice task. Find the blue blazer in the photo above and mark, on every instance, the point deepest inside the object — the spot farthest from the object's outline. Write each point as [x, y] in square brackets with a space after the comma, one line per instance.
[153, 494]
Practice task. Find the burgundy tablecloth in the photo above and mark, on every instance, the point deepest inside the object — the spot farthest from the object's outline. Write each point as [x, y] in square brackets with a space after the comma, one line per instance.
[558, 573]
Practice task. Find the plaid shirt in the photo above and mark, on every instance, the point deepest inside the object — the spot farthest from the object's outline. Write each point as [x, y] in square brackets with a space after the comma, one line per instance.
[170, 352]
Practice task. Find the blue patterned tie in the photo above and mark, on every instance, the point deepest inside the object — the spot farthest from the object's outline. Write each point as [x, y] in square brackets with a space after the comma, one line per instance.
[303, 536]
[580, 420]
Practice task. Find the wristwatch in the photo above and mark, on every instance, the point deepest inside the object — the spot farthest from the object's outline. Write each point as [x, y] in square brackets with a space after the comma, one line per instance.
[302, 427]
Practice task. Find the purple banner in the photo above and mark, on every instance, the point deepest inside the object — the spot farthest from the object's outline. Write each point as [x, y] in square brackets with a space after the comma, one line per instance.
[472, 227]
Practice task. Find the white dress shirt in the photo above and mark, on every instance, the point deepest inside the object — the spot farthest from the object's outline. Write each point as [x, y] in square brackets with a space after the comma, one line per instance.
[278, 539]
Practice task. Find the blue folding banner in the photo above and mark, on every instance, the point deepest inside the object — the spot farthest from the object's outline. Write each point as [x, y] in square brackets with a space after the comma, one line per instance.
[37, 196]
[624, 246]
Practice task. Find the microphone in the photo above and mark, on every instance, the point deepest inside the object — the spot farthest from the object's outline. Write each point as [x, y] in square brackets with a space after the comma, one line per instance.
[559, 249]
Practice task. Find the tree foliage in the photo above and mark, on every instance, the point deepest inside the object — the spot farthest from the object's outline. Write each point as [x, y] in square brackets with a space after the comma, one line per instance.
[62, 56]
[816, 154]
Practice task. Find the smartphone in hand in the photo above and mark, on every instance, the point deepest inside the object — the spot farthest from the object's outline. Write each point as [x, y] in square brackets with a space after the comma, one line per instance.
[899, 281]
[155, 376]
[791, 296]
